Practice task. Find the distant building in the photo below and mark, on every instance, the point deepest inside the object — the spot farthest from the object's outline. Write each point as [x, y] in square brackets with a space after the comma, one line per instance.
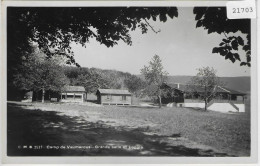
[113, 97]
[226, 99]
[73, 94]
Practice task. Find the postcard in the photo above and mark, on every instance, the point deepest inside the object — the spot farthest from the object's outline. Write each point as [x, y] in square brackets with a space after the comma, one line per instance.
[129, 82]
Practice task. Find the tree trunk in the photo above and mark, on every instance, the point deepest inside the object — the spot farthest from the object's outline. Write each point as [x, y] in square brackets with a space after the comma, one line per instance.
[159, 97]
[160, 101]
[43, 93]
[206, 103]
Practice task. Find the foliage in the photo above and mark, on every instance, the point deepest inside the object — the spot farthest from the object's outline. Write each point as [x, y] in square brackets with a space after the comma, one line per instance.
[55, 28]
[74, 72]
[94, 78]
[206, 81]
[113, 77]
[134, 84]
[155, 76]
[214, 19]
[92, 81]
[36, 73]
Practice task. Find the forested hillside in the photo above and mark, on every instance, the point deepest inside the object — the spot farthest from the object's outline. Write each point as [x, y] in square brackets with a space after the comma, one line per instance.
[94, 78]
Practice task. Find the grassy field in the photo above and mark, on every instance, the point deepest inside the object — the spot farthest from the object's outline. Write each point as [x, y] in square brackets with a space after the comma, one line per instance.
[165, 131]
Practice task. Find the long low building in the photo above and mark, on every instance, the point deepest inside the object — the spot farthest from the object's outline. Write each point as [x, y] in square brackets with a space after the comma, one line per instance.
[113, 97]
[226, 100]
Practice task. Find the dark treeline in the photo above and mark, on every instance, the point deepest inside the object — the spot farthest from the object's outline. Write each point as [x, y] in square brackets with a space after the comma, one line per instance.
[90, 78]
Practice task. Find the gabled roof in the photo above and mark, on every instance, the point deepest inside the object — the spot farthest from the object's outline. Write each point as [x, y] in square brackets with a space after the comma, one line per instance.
[74, 89]
[114, 91]
[181, 87]
[184, 88]
[233, 92]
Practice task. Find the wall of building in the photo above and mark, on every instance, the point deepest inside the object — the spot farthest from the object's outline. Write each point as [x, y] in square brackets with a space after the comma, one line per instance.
[73, 97]
[241, 107]
[226, 107]
[220, 107]
[195, 105]
[115, 99]
[91, 97]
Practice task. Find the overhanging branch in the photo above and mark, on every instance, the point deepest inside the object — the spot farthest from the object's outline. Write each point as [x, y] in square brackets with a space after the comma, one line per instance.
[152, 27]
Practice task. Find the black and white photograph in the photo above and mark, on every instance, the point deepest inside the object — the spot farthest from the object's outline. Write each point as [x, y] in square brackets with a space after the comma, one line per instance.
[121, 81]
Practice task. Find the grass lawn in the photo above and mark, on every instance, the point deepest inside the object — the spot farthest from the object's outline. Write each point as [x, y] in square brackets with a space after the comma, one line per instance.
[145, 131]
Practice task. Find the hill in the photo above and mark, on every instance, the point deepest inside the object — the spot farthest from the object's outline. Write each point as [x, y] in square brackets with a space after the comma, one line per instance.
[238, 83]
[116, 79]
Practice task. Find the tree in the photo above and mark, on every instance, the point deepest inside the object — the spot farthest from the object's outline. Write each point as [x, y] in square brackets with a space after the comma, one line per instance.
[73, 73]
[49, 77]
[155, 76]
[54, 29]
[112, 77]
[93, 81]
[214, 19]
[40, 74]
[206, 81]
[134, 84]
[94, 78]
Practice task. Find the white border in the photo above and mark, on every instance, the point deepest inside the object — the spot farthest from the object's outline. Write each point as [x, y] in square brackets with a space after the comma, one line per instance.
[127, 160]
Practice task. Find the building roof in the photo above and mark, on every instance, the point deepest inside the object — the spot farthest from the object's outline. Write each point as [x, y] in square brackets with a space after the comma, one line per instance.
[114, 91]
[74, 89]
[181, 87]
[184, 88]
[234, 92]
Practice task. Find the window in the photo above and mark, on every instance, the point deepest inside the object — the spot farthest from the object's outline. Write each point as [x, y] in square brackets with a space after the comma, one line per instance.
[77, 96]
[70, 96]
[109, 97]
[123, 97]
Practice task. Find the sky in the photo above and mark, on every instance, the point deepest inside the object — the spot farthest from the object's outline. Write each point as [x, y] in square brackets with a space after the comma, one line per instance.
[182, 47]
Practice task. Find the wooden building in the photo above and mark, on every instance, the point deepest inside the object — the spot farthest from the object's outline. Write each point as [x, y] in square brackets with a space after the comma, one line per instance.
[73, 94]
[113, 97]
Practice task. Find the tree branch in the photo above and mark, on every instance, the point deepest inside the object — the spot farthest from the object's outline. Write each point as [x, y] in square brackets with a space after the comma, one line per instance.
[225, 34]
[152, 27]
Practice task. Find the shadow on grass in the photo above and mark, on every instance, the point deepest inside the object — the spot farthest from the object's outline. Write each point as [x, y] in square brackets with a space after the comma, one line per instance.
[46, 133]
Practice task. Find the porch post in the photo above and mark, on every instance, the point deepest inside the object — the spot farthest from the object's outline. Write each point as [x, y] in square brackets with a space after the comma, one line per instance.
[82, 98]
